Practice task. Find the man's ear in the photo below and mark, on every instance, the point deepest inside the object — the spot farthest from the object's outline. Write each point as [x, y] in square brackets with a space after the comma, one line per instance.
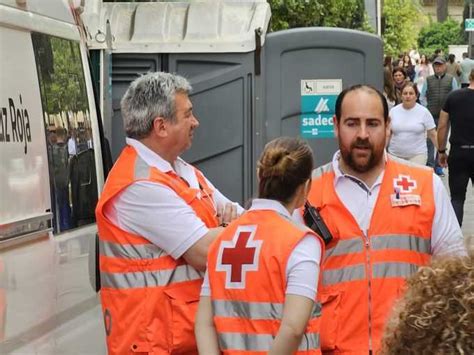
[160, 126]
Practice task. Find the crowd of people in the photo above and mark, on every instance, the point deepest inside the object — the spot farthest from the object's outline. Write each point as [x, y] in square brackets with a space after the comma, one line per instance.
[419, 92]
[184, 270]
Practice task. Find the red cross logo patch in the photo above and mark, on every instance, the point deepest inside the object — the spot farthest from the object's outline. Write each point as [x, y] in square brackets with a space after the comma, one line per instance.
[404, 183]
[239, 256]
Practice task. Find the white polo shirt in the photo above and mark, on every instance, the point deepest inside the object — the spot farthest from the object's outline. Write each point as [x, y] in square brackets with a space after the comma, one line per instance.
[302, 269]
[156, 212]
[359, 199]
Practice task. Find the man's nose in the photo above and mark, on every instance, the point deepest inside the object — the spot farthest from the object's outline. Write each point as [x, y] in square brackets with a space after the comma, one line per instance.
[195, 121]
[363, 132]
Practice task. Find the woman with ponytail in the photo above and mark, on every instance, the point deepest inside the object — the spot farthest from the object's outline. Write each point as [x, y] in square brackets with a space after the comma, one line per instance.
[259, 293]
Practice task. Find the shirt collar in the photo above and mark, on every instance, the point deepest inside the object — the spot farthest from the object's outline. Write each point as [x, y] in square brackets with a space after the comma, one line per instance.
[266, 204]
[152, 158]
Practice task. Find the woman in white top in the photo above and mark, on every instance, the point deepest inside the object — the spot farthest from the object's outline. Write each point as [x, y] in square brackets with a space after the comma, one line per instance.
[411, 122]
[422, 70]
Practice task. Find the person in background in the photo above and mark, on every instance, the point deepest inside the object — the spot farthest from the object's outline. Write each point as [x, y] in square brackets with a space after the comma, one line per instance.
[156, 217]
[438, 53]
[399, 79]
[414, 56]
[466, 65]
[410, 124]
[434, 93]
[408, 67]
[453, 68]
[60, 163]
[389, 89]
[458, 112]
[263, 270]
[387, 217]
[422, 70]
[387, 63]
[436, 314]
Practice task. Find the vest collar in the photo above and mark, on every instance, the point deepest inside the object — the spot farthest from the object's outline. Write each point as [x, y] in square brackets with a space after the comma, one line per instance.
[266, 204]
[152, 159]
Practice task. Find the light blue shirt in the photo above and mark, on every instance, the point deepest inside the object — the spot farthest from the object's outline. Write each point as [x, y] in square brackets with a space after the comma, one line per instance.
[466, 66]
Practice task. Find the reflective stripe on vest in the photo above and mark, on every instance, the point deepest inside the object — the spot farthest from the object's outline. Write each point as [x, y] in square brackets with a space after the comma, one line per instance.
[403, 242]
[393, 269]
[346, 246]
[379, 270]
[130, 251]
[349, 273]
[156, 278]
[254, 310]
[261, 342]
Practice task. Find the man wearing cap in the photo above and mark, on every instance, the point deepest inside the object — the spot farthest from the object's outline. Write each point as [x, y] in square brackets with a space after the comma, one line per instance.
[433, 95]
[457, 111]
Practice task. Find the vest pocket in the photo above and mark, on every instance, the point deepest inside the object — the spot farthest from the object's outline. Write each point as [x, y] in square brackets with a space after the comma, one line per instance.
[330, 301]
[183, 302]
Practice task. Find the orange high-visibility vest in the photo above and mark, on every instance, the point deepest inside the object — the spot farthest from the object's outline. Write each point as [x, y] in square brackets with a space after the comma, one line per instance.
[364, 274]
[149, 299]
[247, 277]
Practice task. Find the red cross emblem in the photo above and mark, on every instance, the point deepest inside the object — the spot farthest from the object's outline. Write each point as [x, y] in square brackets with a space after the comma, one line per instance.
[238, 256]
[404, 183]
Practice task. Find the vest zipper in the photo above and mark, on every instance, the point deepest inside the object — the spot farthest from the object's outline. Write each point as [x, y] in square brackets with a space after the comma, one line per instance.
[369, 280]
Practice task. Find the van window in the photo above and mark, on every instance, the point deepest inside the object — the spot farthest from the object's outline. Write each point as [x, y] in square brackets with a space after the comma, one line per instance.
[68, 131]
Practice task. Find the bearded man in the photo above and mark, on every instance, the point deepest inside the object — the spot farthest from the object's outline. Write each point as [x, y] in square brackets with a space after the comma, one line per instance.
[387, 217]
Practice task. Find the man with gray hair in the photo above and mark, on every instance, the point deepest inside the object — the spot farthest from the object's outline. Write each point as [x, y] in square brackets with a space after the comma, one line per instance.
[156, 217]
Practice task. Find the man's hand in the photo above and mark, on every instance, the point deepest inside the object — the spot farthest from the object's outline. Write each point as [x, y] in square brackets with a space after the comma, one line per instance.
[443, 159]
[226, 213]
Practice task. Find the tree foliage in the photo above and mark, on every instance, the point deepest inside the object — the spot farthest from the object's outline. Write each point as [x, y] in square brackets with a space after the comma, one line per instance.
[439, 35]
[330, 13]
[400, 17]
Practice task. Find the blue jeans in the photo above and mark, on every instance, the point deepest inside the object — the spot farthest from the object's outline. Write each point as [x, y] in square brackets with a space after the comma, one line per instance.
[432, 155]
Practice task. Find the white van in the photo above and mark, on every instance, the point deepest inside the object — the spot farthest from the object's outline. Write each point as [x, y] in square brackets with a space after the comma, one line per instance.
[51, 172]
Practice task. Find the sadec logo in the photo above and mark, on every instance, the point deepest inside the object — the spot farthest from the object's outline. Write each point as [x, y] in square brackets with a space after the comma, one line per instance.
[17, 127]
[322, 106]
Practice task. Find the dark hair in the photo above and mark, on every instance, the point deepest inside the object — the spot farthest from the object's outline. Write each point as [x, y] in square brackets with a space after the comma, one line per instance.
[413, 86]
[387, 62]
[401, 70]
[285, 164]
[367, 88]
[451, 58]
[388, 86]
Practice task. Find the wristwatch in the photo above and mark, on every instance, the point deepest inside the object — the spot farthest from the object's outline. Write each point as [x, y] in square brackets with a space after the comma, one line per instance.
[442, 151]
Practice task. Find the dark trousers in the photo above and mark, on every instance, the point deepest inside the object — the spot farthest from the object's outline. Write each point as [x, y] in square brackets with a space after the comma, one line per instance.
[461, 169]
[432, 155]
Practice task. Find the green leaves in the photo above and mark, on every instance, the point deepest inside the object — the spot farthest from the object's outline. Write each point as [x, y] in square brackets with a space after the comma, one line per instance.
[401, 17]
[439, 35]
[306, 13]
